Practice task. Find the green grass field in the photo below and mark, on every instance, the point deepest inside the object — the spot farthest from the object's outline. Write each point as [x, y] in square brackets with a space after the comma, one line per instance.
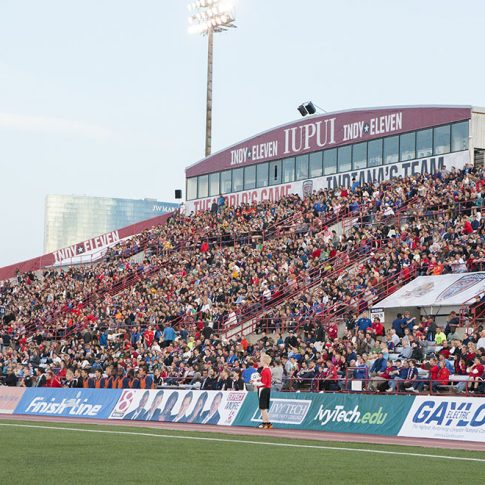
[44, 454]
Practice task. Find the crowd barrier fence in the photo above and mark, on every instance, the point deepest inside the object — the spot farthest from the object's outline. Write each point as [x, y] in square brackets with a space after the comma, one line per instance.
[444, 417]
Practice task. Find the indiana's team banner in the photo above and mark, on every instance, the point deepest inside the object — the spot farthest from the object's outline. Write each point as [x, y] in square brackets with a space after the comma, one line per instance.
[9, 398]
[69, 403]
[441, 417]
[343, 413]
[273, 193]
[179, 406]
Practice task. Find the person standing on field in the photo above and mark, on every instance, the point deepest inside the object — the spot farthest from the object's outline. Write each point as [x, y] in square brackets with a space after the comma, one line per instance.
[264, 391]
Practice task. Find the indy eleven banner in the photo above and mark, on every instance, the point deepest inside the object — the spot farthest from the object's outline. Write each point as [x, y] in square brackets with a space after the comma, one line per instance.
[439, 417]
[76, 252]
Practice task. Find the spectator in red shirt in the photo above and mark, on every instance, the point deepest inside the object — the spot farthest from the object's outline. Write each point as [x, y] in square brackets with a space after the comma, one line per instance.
[52, 380]
[377, 327]
[442, 378]
[149, 335]
[445, 350]
[475, 373]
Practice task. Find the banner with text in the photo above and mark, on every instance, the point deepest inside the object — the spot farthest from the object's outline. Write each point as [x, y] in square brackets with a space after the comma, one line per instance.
[9, 398]
[343, 413]
[442, 417]
[179, 406]
[304, 188]
[69, 403]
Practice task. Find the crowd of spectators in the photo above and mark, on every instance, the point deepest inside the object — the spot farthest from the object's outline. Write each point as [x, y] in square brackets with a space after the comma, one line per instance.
[278, 261]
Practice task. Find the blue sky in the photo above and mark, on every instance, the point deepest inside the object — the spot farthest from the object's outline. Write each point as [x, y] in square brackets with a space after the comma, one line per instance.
[107, 97]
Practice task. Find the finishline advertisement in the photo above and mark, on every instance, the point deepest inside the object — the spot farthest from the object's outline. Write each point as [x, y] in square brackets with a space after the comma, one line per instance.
[68, 403]
[179, 406]
[450, 418]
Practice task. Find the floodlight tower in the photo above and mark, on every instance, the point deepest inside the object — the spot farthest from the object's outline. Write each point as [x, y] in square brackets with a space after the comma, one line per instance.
[208, 17]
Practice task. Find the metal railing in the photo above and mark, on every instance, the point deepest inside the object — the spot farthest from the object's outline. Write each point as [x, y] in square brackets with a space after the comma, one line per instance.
[377, 385]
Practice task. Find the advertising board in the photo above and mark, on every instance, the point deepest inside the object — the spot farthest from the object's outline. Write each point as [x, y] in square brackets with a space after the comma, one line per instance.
[444, 417]
[179, 406]
[9, 398]
[343, 413]
[69, 403]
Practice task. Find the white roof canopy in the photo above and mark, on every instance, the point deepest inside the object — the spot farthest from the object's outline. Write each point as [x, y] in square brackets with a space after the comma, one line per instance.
[444, 290]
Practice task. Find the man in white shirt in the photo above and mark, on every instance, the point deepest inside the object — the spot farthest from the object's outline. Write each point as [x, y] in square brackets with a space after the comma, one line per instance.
[481, 340]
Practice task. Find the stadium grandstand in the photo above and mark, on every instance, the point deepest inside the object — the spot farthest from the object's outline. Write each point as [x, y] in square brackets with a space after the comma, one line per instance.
[311, 304]
[193, 299]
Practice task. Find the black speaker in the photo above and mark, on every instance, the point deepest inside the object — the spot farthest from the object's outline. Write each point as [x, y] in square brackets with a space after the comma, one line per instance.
[178, 194]
[310, 108]
[302, 110]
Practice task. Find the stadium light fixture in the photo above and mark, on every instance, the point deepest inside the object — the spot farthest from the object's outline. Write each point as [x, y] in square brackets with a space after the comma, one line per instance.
[208, 17]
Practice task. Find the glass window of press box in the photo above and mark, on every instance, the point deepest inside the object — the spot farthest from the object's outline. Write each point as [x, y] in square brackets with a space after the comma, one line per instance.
[423, 143]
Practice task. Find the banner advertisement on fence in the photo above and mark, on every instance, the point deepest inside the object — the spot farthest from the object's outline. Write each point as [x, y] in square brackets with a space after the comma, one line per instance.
[439, 417]
[69, 403]
[442, 417]
[343, 413]
[179, 406]
[9, 398]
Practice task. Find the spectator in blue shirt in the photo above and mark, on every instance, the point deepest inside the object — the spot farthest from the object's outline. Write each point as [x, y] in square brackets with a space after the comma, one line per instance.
[448, 364]
[379, 365]
[221, 201]
[409, 322]
[354, 206]
[169, 335]
[406, 372]
[318, 207]
[135, 337]
[361, 370]
[364, 322]
[396, 325]
[103, 339]
[355, 185]
[248, 372]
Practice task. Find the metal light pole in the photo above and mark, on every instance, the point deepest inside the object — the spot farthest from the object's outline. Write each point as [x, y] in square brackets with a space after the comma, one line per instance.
[208, 110]
[209, 17]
